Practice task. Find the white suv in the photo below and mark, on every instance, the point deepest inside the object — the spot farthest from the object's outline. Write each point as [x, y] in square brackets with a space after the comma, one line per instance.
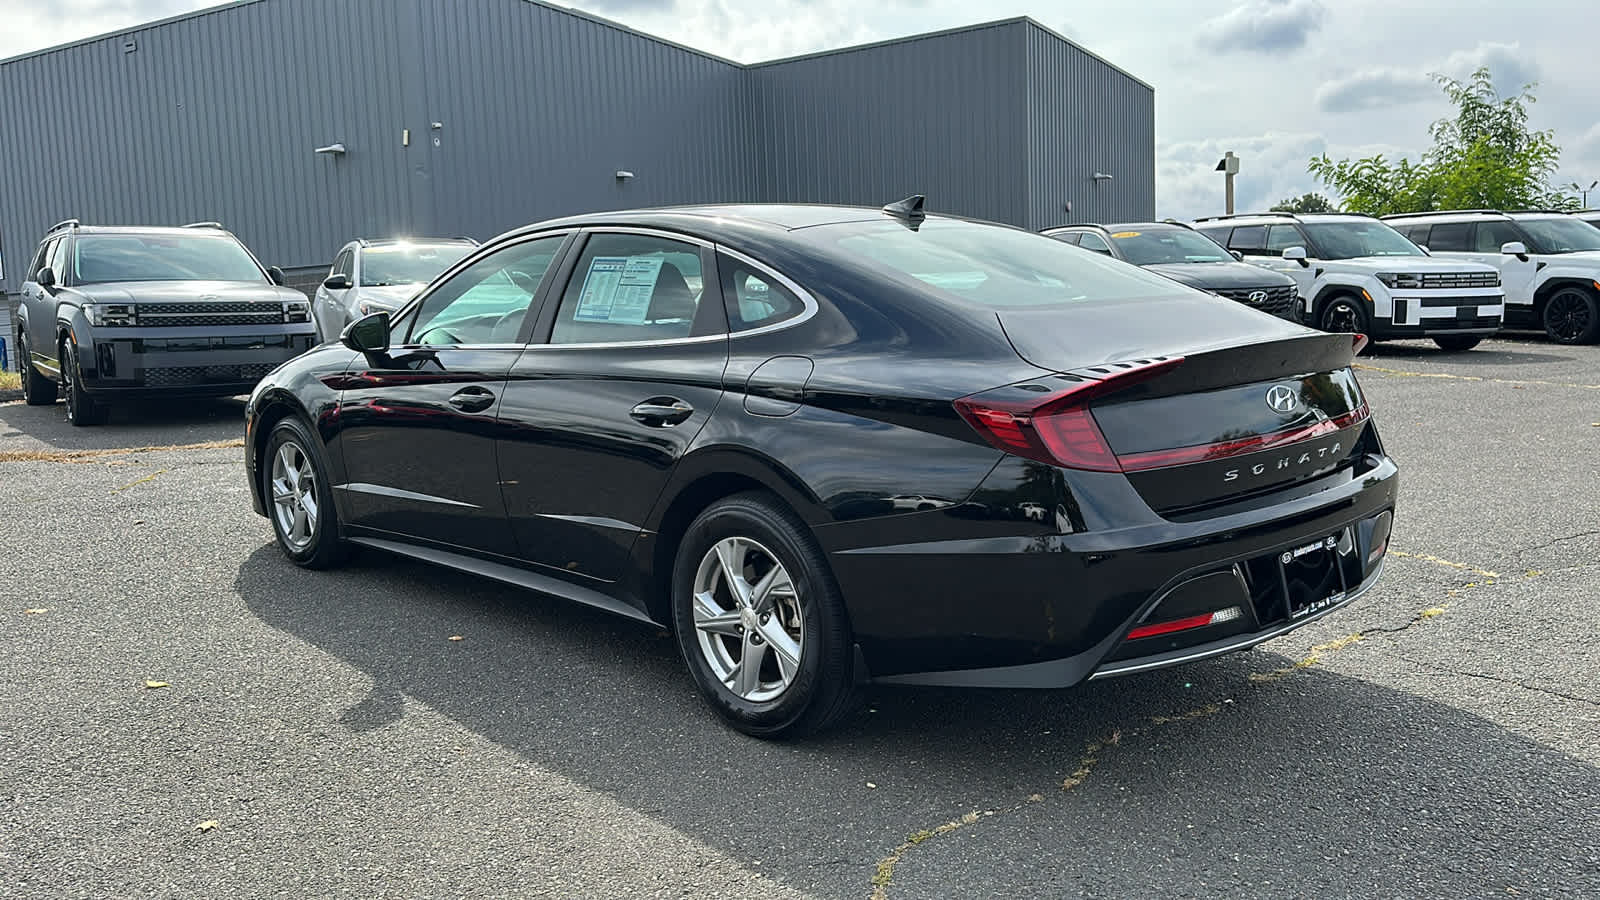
[380, 276]
[1354, 273]
[1549, 263]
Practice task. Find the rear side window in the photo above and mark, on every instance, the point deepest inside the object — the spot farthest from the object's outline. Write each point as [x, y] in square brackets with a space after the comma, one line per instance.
[1094, 242]
[993, 265]
[42, 258]
[1282, 237]
[635, 287]
[1450, 237]
[1250, 240]
[1068, 237]
[755, 299]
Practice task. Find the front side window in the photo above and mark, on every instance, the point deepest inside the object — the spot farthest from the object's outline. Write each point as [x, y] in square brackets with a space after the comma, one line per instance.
[1282, 237]
[342, 265]
[992, 265]
[102, 258]
[488, 301]
[1492, 235]
[58, 260]
[1168, 245]
[1564, 235]
[1451, 237]
[1359, 237]
[634, 287]
[755, 299]
[407, 263]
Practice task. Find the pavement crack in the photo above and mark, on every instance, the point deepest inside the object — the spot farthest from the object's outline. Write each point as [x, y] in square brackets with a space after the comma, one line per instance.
[138, 481]
[1438, 561]
[1553, 541]
[1447, 670]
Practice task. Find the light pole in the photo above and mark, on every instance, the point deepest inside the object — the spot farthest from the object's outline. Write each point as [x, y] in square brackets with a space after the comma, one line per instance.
[1228, 165]
[1585, 190]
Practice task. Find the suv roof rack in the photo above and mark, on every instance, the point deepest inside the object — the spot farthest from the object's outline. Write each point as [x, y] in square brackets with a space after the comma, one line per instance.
[217, 225]
[1280, 215]
[1442, 212]
[64, 223]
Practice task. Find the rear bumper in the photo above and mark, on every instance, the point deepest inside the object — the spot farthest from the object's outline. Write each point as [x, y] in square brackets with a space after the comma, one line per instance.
[133, 362]
[1054, 610]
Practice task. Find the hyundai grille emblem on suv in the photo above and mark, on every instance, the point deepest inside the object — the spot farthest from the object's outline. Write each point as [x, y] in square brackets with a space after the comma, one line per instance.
[1282, 398]
[1258, 296]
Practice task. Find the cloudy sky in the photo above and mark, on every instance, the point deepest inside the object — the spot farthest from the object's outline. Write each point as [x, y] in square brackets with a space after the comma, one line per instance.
[1276, 81]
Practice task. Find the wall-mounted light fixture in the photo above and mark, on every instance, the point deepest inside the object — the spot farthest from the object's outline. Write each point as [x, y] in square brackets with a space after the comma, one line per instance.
[332, 149]
[623, 174]
[1102, 176]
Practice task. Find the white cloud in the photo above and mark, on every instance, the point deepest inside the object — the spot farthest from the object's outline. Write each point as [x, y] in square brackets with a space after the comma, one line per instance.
[1264, 26]
[1386, 86]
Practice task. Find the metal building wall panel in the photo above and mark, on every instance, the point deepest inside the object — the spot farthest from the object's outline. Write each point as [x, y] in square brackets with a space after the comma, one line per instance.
[1086, 116]
[941, 115]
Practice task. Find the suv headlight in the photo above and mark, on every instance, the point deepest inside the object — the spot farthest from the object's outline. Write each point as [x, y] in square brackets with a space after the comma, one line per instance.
[110, 315]
[1400, 279]
[296, 311]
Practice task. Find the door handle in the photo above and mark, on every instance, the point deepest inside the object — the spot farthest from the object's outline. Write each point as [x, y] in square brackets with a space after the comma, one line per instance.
[662, 411]
[472, 399]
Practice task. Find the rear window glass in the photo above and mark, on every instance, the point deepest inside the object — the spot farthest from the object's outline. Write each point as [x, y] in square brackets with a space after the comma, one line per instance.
[102, 258]
[994, 265]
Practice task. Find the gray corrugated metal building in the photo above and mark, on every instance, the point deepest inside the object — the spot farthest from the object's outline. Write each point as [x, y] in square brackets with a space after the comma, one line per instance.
[474, 116]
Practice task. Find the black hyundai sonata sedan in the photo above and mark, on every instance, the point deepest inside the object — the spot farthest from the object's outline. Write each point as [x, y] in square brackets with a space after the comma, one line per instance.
[826, 446]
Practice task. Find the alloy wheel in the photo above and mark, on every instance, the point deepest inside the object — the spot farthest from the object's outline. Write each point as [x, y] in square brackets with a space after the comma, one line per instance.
[1341, 317]
[1567, 316]
[747, 618]
[294, 495]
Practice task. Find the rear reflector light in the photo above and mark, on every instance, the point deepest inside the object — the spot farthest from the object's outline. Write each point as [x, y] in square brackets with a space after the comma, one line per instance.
[1182, 456]
[1188, 624]
[1360, 342]
[1057, 428]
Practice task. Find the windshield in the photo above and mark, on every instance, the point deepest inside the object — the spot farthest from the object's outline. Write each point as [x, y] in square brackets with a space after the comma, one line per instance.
[105, 258]
[997, 266]
[1560, 235]
[408, 263]
[1360, 237]
[1168, 245]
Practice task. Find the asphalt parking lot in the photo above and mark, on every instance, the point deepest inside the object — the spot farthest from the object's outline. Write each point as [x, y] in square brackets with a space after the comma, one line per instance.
[327, 734]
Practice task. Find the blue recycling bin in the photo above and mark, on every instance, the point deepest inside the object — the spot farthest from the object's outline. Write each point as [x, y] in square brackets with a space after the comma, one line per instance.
[5, 358]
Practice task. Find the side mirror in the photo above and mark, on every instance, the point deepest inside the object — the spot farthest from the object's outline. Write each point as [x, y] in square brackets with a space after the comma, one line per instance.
[46, 277]
[1511, 248]
[1298, 254]
[369, 334]
[1237, 255]
[277, 276]
[339, 282]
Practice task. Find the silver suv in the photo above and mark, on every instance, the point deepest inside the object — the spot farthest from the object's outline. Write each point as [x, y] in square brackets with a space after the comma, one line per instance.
[380, 276]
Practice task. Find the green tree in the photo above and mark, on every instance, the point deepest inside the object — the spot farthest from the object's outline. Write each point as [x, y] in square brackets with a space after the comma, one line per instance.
[1484, 158]
[1305, 203]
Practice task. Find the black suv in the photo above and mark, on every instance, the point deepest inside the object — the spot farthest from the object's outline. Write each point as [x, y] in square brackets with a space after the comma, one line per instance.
[117, 312]
[1179, 252]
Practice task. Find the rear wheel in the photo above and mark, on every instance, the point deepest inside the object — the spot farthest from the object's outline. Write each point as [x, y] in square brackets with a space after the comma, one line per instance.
[299, 498]
[82, 409]
[1343, 314]
[760, 621]
[1570, 316]
[1457, 342]
[37, 390]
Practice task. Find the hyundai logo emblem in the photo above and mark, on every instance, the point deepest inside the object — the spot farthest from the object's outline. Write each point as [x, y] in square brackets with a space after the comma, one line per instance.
[1282, 398]
[1258, 296]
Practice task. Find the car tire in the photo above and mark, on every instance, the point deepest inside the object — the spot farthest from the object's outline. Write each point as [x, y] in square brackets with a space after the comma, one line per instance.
[1456, 343]
[37, 390]
[781, 603]
[82, 408]
[1571, 316]
[304, 519]
[1342, 314]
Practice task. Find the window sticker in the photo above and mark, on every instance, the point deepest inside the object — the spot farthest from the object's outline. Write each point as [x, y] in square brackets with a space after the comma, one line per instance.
[617, 289]
[1125, 234]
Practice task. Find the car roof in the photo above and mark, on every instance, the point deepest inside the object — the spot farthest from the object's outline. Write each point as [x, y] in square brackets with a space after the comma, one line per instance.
[1270, 218]
[1120, 226]
[714, 221]
[1474, 215]
[143, 229]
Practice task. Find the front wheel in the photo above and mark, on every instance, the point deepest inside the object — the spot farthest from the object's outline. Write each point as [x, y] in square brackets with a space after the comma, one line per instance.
[1570, 316]
[1343, 315]
[300, 499]
[760, 621]
[1457, 342]
[82, 409]
[37, 390]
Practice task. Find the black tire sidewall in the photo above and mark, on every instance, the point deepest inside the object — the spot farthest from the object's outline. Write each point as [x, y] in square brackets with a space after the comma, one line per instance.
[825, 662]
[327, 546]
[1588, 336]
[1363, 324]
[1459, 344]
[82, 409]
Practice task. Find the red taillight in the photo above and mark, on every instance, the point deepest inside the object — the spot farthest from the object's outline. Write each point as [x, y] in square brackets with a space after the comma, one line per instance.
[1188, 624]
[1057, 428]
[1360, 344]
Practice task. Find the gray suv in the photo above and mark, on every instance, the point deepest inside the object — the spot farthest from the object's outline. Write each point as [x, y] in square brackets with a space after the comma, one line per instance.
[109, 313]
